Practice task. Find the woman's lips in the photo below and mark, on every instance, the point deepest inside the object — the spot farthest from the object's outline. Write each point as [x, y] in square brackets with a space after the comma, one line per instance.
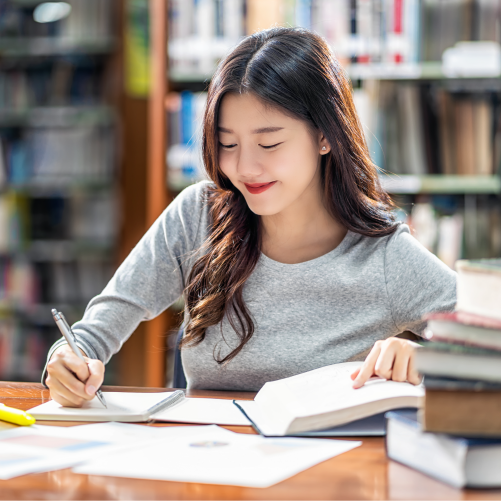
[256, 188]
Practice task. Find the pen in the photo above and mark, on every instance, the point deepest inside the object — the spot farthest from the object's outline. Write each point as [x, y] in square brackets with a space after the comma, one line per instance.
[66, 331]
[15, 416]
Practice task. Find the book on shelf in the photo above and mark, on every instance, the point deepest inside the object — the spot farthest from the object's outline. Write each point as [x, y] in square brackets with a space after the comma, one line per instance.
[425, 129]
[393, 32]
[455, 227]
[59, 156]
[184, 159]
[456, 460]
[25, 283]
[85, 20]
[324, 398]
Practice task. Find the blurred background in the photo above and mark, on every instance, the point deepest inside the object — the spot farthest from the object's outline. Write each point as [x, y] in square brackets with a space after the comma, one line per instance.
[100, 108]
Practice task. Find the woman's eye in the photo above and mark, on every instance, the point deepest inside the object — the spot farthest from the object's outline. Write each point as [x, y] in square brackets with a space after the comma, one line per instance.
[269, 147]
[228, 146]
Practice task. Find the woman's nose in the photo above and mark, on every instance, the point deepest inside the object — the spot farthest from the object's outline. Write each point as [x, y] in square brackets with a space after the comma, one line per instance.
[248, 164]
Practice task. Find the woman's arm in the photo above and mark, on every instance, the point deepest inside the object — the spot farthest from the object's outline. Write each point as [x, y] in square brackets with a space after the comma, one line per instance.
[417, 283]
[150, 279]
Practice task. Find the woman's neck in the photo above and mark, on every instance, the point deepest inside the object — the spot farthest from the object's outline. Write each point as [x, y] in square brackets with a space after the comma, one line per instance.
[303, 231]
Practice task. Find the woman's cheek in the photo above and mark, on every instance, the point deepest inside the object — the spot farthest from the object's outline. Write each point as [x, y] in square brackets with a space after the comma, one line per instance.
[288, 168]
[225, 165]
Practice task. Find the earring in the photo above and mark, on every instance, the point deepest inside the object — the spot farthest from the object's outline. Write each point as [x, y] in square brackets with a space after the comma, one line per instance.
[324, 148]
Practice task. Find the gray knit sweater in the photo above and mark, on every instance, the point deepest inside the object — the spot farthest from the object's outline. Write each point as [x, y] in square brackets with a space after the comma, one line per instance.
[328, 310]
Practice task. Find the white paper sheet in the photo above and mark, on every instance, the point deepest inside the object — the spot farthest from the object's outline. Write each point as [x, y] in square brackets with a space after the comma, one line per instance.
[204, 411]
[45, 448]
[213, 455]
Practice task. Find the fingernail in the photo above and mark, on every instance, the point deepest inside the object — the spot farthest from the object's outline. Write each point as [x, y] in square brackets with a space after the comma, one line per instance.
[91, 390]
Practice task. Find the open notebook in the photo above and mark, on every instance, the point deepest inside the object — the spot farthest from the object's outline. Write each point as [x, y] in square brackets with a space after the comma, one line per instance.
[140, 407]
[324, 398]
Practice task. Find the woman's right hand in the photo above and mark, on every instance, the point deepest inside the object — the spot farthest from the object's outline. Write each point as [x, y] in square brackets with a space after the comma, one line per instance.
[72, 381]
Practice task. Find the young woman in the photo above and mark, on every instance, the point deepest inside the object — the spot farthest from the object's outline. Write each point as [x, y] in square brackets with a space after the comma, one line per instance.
[289, 258]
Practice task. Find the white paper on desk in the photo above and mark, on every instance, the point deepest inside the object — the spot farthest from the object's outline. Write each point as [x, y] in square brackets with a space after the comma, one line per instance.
[122, 406]
[212, 455]
[45, 448]
[204, 411]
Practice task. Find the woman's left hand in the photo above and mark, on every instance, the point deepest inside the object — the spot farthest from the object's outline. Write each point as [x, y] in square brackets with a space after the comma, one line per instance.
[389, 359]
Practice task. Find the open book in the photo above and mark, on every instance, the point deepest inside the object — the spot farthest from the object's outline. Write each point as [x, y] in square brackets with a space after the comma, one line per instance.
[324, 398]
[139, 407]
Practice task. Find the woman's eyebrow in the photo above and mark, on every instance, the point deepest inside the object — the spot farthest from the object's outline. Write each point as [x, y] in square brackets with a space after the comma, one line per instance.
[261, 130]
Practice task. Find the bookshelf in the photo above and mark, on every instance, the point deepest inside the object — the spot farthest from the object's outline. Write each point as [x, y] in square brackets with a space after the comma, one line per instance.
[59, 195]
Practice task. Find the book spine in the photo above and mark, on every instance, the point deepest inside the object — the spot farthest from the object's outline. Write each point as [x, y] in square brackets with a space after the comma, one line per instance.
[456, 412]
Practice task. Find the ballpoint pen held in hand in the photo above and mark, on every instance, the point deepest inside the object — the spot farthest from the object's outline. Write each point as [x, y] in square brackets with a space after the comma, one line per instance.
[66, 331]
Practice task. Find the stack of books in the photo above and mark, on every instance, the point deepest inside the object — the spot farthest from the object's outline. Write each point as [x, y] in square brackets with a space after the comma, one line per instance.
[456, 436]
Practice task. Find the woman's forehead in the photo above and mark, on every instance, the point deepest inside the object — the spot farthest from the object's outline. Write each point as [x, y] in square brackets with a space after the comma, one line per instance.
[248, 113]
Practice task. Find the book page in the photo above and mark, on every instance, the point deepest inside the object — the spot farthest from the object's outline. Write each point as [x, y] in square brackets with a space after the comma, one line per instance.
[204, 411]
[331, 388]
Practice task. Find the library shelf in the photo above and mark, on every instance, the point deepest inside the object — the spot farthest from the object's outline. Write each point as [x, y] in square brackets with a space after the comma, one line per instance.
[57, 116]
[66, 250]
[371, 71]
[55, 46]
[60, 251]
[40, 313]
[431, 70]
[63, 188]
[441, 184]
[408, 184]
[26, 3]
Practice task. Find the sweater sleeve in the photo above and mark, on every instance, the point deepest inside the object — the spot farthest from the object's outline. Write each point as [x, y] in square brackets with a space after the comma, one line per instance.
[417, 282]
[149, 280]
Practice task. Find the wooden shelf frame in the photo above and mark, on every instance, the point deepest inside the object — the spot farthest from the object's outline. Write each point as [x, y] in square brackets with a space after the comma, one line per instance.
[158, 196]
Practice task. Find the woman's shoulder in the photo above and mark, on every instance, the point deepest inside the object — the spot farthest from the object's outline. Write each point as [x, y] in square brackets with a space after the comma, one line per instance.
[191, 204]
[399, 248]
[370, 244]
[195, 195]
[404, 253]
[187, 216]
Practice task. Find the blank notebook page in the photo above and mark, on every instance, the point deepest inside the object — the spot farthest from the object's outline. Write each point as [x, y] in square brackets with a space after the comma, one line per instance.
[119, 404]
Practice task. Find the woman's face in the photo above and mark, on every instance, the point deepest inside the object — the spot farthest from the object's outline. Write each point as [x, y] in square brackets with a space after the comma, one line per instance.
[270, 157]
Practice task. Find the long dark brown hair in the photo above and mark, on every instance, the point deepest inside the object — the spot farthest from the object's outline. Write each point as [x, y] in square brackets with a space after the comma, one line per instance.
[293, 70]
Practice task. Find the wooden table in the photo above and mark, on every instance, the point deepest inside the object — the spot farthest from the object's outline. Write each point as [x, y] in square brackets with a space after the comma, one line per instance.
[363, 473]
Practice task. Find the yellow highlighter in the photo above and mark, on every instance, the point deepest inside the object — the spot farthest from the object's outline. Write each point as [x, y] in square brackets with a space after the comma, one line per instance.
[15, 416]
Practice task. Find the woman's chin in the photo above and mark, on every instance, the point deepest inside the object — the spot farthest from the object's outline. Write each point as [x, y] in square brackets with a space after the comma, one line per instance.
[263, 209]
